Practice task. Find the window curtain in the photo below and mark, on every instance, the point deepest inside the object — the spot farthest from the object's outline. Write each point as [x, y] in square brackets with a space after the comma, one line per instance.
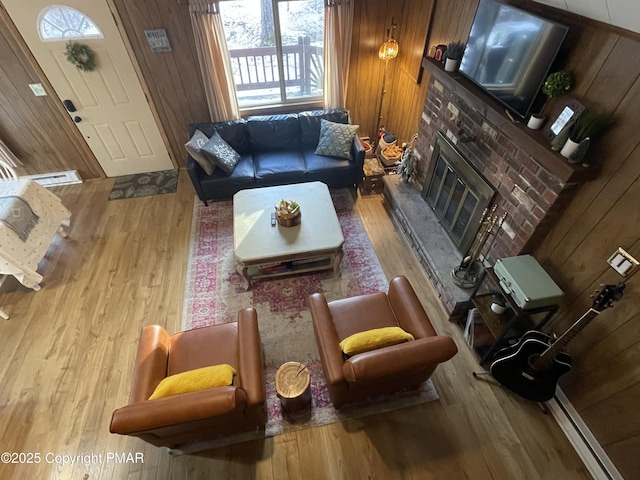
[214, 60]
[338, 25]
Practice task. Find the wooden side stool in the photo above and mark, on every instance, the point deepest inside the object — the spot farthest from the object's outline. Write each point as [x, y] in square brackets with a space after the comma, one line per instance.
[293, 386]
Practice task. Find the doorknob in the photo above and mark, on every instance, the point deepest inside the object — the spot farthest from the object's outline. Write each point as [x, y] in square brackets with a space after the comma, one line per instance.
[77, 119]
[68, 104]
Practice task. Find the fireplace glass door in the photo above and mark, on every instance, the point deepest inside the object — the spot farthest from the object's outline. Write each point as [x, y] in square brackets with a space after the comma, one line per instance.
[457, 193]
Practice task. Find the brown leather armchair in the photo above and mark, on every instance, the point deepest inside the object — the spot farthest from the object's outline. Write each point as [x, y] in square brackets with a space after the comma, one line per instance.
[385, 369]
[193, 417]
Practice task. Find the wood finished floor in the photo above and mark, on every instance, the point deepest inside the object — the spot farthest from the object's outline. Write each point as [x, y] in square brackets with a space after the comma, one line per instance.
[67, 353]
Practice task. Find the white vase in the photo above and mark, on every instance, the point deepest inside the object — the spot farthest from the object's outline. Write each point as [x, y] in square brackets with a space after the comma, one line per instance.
[569, 148]
[535, 121]
[451, 65]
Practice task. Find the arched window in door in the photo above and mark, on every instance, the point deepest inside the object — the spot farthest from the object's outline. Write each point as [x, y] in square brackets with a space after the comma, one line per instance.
[58, 22]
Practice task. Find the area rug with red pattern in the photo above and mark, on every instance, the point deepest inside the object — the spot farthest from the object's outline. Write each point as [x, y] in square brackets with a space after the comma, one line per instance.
[215, 292]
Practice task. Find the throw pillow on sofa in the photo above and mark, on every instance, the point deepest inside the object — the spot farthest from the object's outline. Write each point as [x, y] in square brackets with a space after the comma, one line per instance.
[221, 153]
[336, 139]
[194, 147]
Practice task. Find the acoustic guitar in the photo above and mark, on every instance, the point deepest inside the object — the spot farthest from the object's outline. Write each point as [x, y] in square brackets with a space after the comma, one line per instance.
[532, 366]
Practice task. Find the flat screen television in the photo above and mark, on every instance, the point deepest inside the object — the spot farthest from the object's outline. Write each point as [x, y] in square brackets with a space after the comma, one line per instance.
[509, 53]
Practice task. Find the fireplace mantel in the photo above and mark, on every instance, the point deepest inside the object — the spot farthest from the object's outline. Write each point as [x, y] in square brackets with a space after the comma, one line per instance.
[531, 140]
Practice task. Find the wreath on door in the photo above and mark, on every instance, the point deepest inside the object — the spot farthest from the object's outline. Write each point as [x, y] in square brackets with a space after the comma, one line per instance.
[81, 56]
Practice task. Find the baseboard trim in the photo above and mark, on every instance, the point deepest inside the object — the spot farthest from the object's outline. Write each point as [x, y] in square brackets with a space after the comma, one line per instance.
[584, 442]
[55, 179]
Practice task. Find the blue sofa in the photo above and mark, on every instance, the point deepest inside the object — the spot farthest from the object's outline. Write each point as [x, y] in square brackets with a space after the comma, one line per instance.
[275, 150]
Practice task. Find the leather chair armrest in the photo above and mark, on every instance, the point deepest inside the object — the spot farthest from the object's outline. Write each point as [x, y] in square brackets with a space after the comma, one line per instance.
[250, 365]
[399, 359]
[408, 309]
[326, 338]
[163, 412]
[195, 174]
[357, 156]
[151, 362]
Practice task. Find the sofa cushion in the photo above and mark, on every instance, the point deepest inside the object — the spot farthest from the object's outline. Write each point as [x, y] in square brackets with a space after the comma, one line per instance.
[318, 163]
[224, 186]
[273, 168]
[221, 153]
[336, 139]
[310, 124]
[273, 132]
[233, 132]
[194, 147]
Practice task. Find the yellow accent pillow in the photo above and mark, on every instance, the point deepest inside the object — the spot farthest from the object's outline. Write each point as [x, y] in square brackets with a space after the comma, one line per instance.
[194, 381]
[372, 339]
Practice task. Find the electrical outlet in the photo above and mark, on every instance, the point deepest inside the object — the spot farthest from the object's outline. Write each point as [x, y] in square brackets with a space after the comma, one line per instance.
[622, 262]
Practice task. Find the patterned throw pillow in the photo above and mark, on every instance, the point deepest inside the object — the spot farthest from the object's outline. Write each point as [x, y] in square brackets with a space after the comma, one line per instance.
[221, 153]
[194, 147]
[336, 139]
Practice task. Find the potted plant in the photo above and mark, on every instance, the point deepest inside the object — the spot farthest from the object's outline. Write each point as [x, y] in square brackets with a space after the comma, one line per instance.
[587, 126]
[555, 85]
[453, 55]
[498, 303]
[288, 213]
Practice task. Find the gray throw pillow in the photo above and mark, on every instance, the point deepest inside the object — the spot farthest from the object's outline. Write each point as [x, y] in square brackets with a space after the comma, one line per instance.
[194, 147]
[221, 153]
[336, 139]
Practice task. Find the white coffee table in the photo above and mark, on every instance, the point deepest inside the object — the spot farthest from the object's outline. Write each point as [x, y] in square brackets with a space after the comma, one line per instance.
[263, 250]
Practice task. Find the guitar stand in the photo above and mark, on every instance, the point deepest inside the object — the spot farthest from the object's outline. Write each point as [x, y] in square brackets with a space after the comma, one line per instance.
[542, 405]
[486, 373]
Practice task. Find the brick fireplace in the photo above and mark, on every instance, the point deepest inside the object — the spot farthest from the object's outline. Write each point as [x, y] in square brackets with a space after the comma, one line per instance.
[532, 183]
[528, 187]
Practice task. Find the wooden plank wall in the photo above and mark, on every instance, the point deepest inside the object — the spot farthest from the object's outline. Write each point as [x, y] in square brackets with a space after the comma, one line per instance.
[402, 103]
[173, 78]
[36, 129]
[605, 384]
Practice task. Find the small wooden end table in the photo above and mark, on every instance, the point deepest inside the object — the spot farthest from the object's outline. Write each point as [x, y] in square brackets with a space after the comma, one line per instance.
[293, 386]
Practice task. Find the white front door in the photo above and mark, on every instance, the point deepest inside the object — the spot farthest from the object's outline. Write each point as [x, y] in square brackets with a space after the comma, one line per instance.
[111, 110]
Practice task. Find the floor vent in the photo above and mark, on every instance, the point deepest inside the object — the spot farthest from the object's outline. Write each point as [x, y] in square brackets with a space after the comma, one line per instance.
[70, 177]
[585, 444]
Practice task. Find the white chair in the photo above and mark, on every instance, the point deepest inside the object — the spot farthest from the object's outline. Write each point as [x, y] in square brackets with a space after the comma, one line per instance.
[7, 172]
[20, 257]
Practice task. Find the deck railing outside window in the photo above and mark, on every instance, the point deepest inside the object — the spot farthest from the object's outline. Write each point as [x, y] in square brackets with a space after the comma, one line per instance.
[255, 71]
